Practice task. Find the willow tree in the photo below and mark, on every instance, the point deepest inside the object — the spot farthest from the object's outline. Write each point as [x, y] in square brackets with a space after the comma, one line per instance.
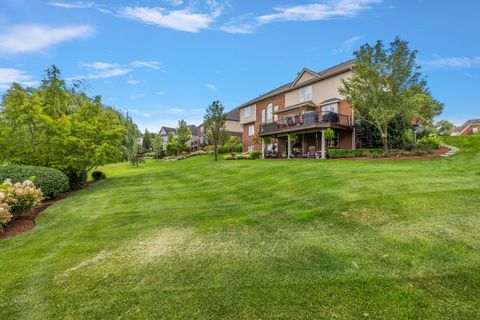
[387, 85]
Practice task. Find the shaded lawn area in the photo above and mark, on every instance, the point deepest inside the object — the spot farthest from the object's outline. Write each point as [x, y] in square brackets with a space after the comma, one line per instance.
[257, 239]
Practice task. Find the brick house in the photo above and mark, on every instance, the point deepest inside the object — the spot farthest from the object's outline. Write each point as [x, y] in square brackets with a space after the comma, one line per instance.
[232, 126]
[468, 128]
[304, 109]
[193, 143]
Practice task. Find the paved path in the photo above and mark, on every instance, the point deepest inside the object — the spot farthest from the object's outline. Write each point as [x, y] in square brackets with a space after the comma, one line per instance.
[452, 151]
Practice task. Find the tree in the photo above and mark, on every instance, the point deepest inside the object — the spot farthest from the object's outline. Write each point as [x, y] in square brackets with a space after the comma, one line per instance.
[157, 145]
[387, 85]
[147, 140]
[60, 127]
[172, 144]
[215, 119]
[184, 134]
[444, 127]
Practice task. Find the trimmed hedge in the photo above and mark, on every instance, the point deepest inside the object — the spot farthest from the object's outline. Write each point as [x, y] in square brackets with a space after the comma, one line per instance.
[52, 182]
[350, 153]
[98, 175]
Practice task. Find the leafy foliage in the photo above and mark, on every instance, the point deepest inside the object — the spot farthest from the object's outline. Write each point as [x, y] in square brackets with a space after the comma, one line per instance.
[444, 127]
[61, 127]
[52, 182]
[98, 175]
[387, 85]
[215, 119]
[430, 142]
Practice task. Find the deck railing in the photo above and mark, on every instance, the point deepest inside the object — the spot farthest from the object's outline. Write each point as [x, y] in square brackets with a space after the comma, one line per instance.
[309, 119]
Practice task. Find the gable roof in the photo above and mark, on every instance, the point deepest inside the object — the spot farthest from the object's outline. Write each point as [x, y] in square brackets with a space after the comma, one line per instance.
[168, 130]
[233, 115]
[324, 74]
[193, 129]
[300, 75]
[463, 127]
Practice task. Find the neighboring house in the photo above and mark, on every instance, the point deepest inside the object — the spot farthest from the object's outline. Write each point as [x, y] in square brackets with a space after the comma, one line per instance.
[193, 143]
[164, 132]
[232, 125]
[469, 127]
[305, 108]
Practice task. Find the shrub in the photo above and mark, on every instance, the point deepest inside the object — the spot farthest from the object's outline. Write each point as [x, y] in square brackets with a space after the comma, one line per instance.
[430, 142]
[17, 198]
[98, 175]
[77, 180]
[255, 154]
[345, 153]
[52, 182]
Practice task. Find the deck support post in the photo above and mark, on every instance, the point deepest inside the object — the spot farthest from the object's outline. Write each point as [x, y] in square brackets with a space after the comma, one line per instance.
[324, 153]
[289, 147]
[263, 148]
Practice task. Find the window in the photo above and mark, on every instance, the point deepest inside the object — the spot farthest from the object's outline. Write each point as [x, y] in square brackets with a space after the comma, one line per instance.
[305, 94]
[247, 112]
[275, 116]
[267, 113]
[251, 130]
[475, 130]
[201, 129]
[330, 108]
[251, 148]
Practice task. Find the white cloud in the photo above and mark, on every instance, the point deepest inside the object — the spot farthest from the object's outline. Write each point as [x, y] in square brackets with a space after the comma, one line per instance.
[176, 110]
[100, 65]
[174, 2]
[210, 86]
[183, 20]
[160, 93]
[347, 44]
[317, 11]
[452, 62]
[33, 38]
[155, 65]
[10, 75]
[133, 82]
[239, 29]
[135, 96]
[72, 5]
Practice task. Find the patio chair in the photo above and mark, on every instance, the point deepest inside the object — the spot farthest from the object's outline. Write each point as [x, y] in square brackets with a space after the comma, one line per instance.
[311, 152]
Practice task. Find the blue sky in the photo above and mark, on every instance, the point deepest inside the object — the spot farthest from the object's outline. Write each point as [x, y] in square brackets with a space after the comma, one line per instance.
[166, 60]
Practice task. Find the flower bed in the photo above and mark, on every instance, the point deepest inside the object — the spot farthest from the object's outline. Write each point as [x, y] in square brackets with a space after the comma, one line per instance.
[17, 198]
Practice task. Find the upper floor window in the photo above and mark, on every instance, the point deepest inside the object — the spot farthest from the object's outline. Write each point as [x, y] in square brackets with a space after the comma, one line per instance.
[330, 108]
[305, 94]
[268, 114]
[251, 130]
[247, 112]
[201, 129]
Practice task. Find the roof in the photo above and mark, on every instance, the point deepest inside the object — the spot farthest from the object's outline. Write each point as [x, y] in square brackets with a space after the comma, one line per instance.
[324, 74]
[168, 130]
[233, 115]
[193, 129]
[464, 126]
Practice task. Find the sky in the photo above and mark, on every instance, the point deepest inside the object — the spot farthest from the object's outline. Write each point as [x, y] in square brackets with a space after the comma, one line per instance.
[167, 60]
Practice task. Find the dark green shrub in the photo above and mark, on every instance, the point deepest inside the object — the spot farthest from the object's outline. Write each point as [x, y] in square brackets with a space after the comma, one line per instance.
[77, 180]
[255, 154]
[345, 153]
[98, 175]
[51, 181]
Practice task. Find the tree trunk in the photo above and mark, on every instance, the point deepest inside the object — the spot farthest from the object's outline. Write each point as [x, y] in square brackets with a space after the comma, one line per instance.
[215, 151]
[385, 141]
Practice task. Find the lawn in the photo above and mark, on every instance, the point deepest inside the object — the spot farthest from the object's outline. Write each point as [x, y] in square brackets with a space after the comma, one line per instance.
[195, 239]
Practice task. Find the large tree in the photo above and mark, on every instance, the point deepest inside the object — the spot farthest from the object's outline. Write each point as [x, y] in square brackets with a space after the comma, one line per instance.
[444, 127]
[215, 119]
[147, 140]
[60, 127]
[387, 85]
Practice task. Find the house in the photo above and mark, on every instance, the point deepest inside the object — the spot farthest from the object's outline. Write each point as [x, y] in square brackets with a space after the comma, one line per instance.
[293, 117]
[164, 132]
[193, 143]
[468, 128]
[232, 126]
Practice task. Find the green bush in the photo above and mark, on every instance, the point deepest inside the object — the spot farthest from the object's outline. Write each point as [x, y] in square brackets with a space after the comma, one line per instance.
[255, 154]
[430, 142]
[355, 153]
[52, 182]
[98, 175]
[78, 180]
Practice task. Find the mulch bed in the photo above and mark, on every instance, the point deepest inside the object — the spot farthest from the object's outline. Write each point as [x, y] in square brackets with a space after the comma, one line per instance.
[435, 154]
[26, 221]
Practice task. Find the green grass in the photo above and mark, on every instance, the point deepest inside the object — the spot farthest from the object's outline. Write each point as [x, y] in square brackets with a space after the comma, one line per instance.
[195, 239]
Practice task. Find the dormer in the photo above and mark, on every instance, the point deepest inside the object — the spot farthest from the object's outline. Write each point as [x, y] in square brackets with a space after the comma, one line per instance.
[303, 76]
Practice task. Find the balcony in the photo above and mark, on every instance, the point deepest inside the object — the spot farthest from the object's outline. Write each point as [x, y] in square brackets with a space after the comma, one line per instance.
[309, 120]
